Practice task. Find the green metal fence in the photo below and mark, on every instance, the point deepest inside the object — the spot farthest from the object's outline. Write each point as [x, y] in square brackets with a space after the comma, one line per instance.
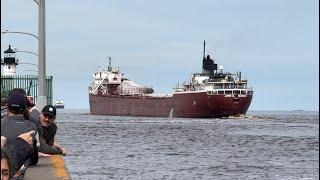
[27, 82]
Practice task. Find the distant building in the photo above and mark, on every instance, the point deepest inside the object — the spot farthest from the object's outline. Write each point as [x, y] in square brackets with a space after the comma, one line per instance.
[10, 79]
[9, 63]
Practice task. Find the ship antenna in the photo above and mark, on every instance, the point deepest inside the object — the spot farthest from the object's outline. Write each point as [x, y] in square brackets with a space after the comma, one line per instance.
[204, 49]
[109, 67]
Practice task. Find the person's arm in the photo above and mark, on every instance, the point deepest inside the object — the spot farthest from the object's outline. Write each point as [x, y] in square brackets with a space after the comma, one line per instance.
[34, 156]
[34, 117]
[52, 130]
[29, 138]
[19, 151]
[45, 148]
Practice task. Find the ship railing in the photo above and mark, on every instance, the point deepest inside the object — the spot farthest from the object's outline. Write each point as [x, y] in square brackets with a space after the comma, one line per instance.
[178, 89]
[231, 91]
[146, 95]
[228, 84]
[230, 87]
[201, 88]
[159, 95]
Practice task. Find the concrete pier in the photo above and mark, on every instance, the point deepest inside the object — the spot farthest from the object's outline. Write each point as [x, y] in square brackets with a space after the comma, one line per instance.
[50, 168]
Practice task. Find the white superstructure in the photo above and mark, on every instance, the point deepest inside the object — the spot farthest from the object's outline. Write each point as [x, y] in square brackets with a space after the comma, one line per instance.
[111, 81]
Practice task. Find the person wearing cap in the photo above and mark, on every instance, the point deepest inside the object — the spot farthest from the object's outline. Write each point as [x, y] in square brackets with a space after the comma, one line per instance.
[14, 124]
[28, 103]
[47, 130]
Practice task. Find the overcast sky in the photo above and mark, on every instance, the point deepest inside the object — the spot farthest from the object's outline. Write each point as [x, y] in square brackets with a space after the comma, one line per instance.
[159, 43]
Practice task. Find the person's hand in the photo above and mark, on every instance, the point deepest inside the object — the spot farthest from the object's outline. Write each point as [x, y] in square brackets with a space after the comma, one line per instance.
[55, 143]
[27, 137]
[3, 141]
[64, 150]
[40, 154]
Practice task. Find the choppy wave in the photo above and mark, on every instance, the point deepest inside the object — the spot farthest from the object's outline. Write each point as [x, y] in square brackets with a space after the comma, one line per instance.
[260, 145]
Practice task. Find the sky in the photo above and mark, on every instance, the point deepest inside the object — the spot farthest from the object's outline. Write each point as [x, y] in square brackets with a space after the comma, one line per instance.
[274, 43]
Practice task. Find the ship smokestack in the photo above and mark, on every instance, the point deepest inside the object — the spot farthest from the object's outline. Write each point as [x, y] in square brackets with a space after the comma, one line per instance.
[204, 49]
[205, 61]
[208, 65]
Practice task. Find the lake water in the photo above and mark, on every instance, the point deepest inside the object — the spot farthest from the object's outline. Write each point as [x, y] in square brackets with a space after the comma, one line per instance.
[265, 145]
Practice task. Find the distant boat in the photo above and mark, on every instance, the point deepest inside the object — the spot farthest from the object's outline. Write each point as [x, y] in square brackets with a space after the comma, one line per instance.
[59, 104]
[298, 110]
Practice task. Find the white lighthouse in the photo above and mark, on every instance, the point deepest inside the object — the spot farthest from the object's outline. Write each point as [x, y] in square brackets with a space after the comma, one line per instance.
[9, 62]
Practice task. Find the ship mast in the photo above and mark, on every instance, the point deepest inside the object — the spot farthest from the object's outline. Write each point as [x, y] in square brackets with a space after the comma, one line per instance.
[109, 67]
[204, 49]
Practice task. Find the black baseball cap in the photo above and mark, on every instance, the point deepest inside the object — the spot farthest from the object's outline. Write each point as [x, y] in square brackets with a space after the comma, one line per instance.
[19, 90]
[17, 101]
[49, 110]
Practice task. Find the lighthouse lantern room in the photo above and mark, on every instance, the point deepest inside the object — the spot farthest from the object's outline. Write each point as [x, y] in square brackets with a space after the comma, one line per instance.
[9, 62]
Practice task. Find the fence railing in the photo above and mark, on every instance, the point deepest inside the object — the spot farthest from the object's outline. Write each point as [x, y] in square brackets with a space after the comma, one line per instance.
[27, 82]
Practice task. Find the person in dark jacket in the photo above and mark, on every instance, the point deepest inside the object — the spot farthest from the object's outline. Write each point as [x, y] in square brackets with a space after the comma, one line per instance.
[18, 152]
[14, 124]
[47, 129]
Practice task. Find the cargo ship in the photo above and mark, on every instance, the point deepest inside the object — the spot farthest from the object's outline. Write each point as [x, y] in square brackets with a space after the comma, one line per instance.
[209, 94]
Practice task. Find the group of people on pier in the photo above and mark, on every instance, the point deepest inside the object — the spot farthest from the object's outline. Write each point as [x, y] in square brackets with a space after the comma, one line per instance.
[26, 134]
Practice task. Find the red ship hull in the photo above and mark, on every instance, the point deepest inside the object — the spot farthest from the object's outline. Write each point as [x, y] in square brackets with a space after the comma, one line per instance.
[186, 105]
[202, 105]
[130, 105]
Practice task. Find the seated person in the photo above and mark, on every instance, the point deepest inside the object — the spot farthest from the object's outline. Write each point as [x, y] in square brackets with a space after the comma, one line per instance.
[47, 129]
